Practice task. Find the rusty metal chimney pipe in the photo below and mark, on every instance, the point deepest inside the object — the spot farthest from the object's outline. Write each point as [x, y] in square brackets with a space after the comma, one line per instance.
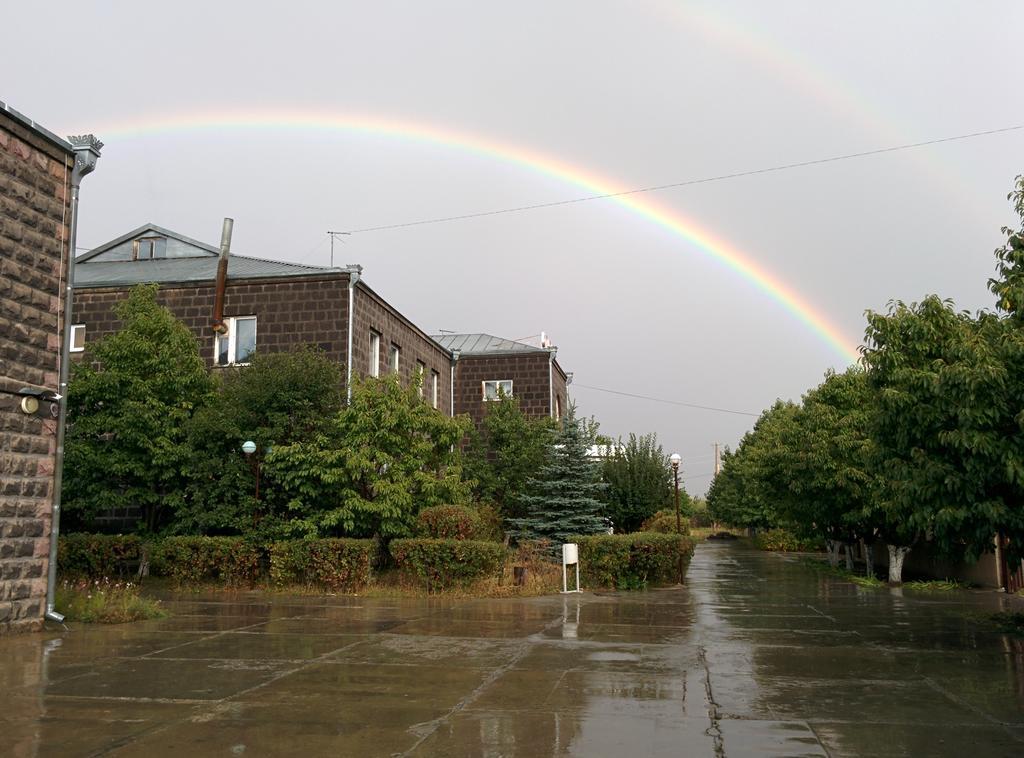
[222, 277]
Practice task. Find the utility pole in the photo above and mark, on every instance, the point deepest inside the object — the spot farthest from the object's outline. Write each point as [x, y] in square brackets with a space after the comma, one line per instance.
[718, 460]
[333, 235]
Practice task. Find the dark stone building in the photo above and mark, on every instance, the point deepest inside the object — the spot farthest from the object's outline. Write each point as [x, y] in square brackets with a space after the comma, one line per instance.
[485, 364]
[268, 305]
[35, 195]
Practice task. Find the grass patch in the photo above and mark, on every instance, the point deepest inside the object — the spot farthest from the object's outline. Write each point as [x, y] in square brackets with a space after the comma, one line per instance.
[105, 602]
[864, 581]
[935, 585]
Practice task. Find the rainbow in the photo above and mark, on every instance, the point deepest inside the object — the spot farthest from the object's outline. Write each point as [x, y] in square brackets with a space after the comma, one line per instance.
[712, 246]
[715, 23]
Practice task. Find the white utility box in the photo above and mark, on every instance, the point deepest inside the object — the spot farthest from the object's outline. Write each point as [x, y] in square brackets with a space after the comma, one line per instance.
[570, 557]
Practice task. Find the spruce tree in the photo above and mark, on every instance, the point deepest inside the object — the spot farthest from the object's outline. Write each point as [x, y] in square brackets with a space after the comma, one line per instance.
[562, 500]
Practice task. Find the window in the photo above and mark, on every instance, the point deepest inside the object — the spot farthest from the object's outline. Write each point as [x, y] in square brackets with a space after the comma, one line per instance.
[147, 248]
[434, 382]
[374, 354]
[496, 386]
[237, 343]
[421, 375]
[393, 355]
[77, 338]
[558, 407]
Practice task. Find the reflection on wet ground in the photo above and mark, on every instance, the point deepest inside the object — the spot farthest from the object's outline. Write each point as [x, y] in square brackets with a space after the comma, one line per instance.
[757, 656]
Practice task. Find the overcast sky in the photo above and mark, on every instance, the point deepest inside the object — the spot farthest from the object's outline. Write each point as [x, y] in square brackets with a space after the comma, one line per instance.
[633, 93]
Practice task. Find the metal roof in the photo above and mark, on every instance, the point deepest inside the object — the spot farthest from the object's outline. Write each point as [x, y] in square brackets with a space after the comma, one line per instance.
[204, 269]
[41, 130]
[484, 344]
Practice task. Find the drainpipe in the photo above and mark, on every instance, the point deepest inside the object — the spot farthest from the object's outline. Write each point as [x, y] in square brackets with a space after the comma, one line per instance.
[222, 277]
[551, 381]
[353, 280]
[87, 152]
[455, 359]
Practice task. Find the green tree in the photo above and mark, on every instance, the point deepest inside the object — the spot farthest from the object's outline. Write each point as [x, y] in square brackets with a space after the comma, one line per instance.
[278, 399]
[828, 456]
[508, 449]
[373, 466]
[639, 479]
[948, 427]
[126, 443]
[563, 499]
[748, 487]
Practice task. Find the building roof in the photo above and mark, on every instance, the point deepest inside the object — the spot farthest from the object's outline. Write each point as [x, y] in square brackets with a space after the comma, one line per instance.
[166, 270]
[484, 344]
[40, 130]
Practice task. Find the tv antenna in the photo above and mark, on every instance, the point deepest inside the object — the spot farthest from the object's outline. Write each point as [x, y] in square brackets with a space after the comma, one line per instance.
[332, 236]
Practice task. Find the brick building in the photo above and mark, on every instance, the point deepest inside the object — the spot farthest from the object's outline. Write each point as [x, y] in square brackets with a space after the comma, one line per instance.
[38, 180]
[485, 365]
[268, 305]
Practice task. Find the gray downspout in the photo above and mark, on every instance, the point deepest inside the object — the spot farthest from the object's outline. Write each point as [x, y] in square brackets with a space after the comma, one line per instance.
[451, 381]
[87, 152]
[551, 381]
[353, 279]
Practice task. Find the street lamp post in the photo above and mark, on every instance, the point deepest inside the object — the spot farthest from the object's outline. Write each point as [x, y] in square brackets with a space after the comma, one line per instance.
[249, 448]
[676, 459]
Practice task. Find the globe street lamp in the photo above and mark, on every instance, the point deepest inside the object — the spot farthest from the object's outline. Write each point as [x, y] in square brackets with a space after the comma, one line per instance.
[249, 447]
[676, 459]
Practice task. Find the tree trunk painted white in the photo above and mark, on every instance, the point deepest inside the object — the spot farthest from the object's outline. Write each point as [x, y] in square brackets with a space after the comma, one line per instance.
[849, 556]
[869, 560]
[896, 556]
[833, 552]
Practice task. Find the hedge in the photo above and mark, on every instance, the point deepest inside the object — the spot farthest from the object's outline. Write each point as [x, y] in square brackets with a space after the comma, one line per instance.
[632, 561]
[445, 563]
[664, 522]
[785, 541]
[448, 522]
[231, 560]
[98, 555]
[336, 564]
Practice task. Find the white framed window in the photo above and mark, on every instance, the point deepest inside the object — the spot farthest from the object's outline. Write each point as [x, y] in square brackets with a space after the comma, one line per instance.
[393, 357]
[236, 344]
[421, 376]
[77, 338]
[435, 398]
[493, 387]
[374, 353]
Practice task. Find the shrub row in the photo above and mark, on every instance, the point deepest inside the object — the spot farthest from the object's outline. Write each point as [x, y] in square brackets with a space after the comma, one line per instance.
[632, 561]
[784, 541]
[331, 563]
[337, 564]
[98, 556]
[441, 564]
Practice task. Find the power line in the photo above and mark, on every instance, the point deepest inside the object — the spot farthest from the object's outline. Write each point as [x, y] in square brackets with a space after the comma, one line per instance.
[690, 182]
[664, 400]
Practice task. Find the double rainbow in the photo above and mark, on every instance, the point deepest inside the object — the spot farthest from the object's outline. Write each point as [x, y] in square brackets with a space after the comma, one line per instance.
[702, 240]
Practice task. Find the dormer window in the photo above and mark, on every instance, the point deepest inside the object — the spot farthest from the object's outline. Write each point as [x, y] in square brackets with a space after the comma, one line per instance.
[148, 248]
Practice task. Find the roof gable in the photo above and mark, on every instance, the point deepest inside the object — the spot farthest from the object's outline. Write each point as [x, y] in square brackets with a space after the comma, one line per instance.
[174, 246]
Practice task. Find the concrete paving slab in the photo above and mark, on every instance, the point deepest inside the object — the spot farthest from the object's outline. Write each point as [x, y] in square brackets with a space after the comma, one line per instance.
[758, 654]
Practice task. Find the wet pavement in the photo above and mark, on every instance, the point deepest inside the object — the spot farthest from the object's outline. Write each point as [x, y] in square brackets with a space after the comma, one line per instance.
[758, 655]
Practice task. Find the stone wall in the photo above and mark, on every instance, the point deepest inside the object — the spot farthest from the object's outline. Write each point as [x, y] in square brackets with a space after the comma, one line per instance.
[528, 372]
[373, 313]
[34, 213]
[294, 311]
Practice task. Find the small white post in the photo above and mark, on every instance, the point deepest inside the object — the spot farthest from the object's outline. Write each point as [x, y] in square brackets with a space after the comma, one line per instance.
[570, 556]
